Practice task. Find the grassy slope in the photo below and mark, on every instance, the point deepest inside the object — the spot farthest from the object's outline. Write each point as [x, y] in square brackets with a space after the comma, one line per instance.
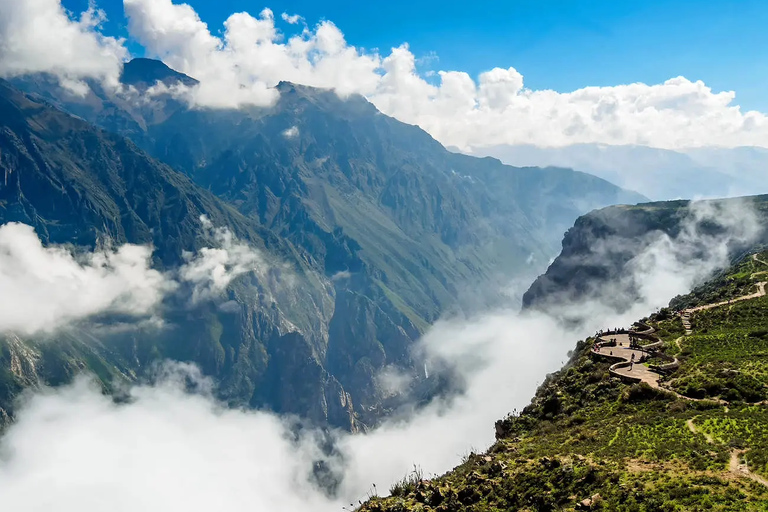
[640, 449]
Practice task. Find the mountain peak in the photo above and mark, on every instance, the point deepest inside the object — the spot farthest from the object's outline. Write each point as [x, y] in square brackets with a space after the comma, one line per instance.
[143, 73]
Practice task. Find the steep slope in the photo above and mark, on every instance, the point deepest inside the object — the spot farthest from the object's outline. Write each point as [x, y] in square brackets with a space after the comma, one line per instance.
[596, 438]
[78, 185]
[601, 246]
[404, 229]
[332, 174]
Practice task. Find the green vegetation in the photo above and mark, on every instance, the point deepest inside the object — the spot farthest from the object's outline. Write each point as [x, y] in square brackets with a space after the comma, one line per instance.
[734, 282]
[588, 441]
[371, 229]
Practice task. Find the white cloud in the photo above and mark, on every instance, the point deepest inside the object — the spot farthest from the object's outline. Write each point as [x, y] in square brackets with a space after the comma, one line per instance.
[292, 19]
[44, 288]
[291, 133]
[212, 269]
[40, 36]
[341, 274]
[241, 64]
[73, 449]
[250, 57]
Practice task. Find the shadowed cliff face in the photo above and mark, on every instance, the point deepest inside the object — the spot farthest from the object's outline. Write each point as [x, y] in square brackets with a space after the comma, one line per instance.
[602, 246]
[385, 229]
[78, 185]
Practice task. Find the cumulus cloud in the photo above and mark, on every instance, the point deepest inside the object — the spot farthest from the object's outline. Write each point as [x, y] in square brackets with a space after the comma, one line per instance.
[251, 56]
[291, 18]
[44, 288]
[241, 64]
[41, 36]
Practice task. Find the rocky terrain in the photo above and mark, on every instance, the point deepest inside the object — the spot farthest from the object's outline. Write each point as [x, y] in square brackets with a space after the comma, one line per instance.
[379, 228]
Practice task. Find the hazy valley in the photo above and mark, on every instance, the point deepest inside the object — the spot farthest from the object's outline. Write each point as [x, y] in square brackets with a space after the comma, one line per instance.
[272, 265]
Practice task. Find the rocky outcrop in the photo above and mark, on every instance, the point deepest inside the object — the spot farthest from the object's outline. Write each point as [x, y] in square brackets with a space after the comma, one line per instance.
[601, 245]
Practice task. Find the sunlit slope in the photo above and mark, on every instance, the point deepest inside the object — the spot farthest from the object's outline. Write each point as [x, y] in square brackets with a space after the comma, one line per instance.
[590, 440]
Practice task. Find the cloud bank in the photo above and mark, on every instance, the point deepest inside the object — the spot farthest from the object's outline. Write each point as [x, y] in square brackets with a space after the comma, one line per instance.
[74, 449]
[44, 288]
[240, 64]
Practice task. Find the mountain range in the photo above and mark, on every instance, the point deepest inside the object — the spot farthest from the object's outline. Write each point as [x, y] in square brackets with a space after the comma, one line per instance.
[660, 174]
[381, 229]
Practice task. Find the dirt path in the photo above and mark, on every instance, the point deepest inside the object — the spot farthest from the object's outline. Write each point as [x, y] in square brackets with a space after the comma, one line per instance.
[685, 315]
[735, 466]
[759, 293]
[693, 429]
[738, 468]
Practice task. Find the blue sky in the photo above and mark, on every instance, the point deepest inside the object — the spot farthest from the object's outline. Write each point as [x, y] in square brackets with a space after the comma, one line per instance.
[560, 45]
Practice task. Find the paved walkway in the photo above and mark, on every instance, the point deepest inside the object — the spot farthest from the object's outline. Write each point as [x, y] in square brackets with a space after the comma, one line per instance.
[623, 352]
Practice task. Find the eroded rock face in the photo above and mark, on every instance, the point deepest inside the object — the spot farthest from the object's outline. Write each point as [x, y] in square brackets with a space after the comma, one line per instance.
[600, 246]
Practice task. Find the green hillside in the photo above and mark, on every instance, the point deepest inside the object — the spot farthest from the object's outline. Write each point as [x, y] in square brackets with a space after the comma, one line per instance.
[693, 438]
[385, 228]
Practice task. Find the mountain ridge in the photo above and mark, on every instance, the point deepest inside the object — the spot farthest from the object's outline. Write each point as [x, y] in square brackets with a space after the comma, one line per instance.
[386, 226]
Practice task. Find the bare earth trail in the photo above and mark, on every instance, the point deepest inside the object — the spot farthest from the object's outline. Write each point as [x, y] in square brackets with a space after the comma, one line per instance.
[758, 260]
[685, 315]
[759, 293]
[735, 466]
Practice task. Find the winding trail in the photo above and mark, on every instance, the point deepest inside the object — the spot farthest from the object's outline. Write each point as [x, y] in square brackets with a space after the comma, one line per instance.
[629, 365]
[624, 368]
[685, 315]
[735, 466]
[758, 260]
[759, 293]
[630, 368]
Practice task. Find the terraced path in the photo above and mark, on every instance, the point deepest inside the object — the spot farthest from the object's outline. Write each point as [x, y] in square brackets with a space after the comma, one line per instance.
[624, 353]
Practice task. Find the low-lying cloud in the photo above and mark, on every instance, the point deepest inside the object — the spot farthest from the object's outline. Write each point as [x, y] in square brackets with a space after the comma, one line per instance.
[75, 449]
[240, 64]
[43, 288]
[212, 269]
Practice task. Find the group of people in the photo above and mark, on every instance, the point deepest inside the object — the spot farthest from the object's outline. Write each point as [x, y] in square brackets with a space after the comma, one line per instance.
[633, 344]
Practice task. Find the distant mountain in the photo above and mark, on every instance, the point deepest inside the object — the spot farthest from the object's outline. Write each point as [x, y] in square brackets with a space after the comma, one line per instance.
[388, 229]
[597, 249]
[144, 73]
[657, 173]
